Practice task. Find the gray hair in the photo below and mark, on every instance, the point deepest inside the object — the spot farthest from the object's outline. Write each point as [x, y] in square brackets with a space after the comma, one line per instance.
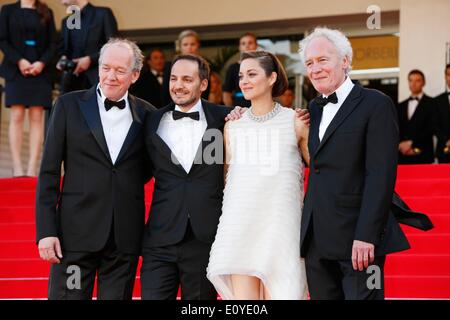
[138, 57]
[336, 37]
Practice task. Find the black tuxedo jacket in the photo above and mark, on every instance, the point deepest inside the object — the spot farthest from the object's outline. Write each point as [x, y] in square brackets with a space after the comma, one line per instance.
[178, 194]
[148, 88]
[420, 129]
[94, 191]
[443, 126]
[352, 177]
[12, 41]
[102, 25]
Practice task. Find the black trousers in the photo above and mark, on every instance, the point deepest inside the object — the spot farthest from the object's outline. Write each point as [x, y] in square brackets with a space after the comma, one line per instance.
[74, 277]
[164, 269]
[336, 279]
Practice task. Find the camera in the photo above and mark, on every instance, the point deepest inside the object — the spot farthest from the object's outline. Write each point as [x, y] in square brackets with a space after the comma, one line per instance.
[67, 65]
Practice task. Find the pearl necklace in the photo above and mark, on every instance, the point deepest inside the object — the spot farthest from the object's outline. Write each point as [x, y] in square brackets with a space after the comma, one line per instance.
[265, 117]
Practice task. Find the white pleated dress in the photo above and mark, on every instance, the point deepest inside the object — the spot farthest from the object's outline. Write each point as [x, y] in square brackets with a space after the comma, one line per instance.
[259, 230]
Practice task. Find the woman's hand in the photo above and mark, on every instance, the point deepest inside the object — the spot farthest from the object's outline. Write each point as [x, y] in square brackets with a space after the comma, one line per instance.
[36, 68]
[24, 67]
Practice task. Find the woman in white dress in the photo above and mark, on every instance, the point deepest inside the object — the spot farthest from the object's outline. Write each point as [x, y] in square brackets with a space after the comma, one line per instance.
[256, 252]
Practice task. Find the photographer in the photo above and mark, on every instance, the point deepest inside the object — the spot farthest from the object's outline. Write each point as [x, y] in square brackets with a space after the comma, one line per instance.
[79, 48]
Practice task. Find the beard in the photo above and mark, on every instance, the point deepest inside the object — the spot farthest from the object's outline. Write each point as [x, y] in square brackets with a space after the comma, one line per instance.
[183, 101]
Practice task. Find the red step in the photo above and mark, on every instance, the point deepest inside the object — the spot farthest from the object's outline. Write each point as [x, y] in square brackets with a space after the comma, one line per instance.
[422, 287]
[24, 268]
[17, 231]
[423, 171]
[433, 187]
[403, 264]
[429, 204]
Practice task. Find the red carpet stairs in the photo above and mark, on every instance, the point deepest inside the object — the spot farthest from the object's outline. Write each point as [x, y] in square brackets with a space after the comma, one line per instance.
[420, 273]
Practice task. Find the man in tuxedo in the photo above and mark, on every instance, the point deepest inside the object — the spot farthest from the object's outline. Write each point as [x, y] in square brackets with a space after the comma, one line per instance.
[416, 118]
[92, 222]
[346, 224]
[149, 84]
[443, 121]
[82, 46]
[187, 200]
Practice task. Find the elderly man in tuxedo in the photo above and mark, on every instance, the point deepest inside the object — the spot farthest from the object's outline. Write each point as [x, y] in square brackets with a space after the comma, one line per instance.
[346, 223]
[92, 223]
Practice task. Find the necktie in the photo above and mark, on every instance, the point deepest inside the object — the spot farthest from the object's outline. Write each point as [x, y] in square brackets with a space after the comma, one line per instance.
[322, 101]
[119, 104]
[178, 115]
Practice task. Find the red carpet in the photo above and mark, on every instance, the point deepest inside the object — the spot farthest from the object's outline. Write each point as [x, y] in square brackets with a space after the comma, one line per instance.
[422, 272]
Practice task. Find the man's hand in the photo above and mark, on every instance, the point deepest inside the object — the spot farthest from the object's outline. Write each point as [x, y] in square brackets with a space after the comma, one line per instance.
[303, 115]
[448, 143]
[405, 146]
[24, 67]
[50, 249]
[363, 253]
[82, 64]
[36, 68]
[236, 113]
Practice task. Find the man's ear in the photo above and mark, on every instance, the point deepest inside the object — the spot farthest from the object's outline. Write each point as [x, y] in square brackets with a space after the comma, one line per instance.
[135, 76]
[204, 85]
[345, 63]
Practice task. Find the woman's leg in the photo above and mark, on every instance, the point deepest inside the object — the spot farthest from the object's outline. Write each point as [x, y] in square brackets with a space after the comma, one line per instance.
[15, 137]
[246, 287]
[36, 117]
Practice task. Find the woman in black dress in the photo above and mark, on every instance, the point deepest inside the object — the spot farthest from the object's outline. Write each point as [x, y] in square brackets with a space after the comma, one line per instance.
[28, 42]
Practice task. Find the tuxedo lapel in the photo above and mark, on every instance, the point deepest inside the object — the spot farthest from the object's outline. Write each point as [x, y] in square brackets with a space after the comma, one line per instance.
[136, 126]
[211, 121]
[89, 109]
[344, 111]
[316, 116]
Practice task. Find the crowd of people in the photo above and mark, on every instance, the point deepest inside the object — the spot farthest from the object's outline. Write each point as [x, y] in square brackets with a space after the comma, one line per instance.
[228, 213]
[30, 48]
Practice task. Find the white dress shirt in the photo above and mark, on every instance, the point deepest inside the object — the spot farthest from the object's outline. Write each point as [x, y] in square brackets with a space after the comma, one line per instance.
[412, 105]
[330, 109]
[116, 123]
[183, 136]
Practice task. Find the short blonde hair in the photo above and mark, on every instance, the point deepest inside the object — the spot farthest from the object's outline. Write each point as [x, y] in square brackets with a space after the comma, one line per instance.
[138, 57]
[183, 34]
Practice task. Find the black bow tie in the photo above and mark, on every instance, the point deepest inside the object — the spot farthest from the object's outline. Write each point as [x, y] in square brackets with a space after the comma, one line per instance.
[119, 104]
[178, 115]
[413, 98]
[322, 101]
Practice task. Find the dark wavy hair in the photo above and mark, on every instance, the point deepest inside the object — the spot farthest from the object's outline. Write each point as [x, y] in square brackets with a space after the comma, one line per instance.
[270, 63]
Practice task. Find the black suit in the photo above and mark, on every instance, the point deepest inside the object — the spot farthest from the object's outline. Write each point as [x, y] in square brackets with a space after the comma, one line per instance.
[350, 187]
[100, 26]
[184, 215]
[12, 41]
[419, 129]
[100, 205]
[148, 88]
[443, 126]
